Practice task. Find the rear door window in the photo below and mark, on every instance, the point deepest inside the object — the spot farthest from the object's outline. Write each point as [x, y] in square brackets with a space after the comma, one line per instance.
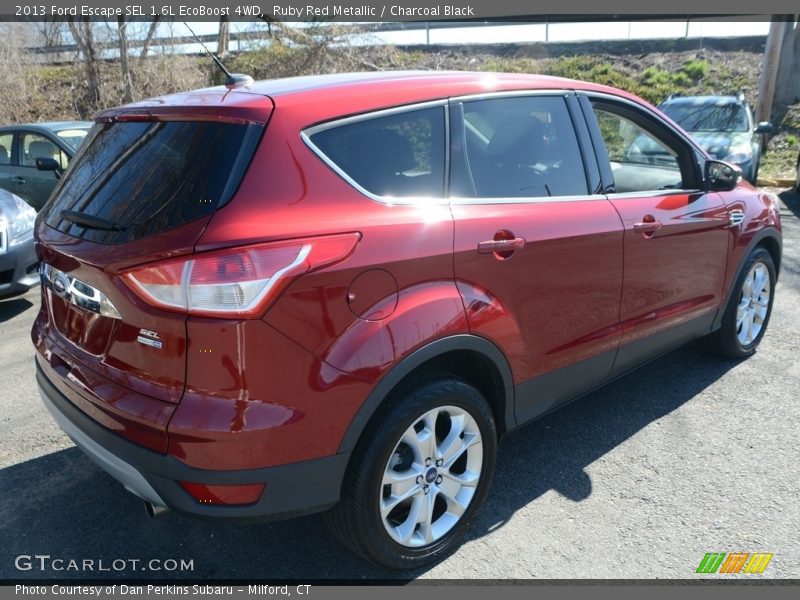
[396, 155]
[518, 147]
[134, 179]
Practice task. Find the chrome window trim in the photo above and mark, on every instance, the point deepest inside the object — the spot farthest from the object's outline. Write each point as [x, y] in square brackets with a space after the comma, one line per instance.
[561, 92]
[306, 134]
[461, 201]
[651, 193]
[446, 200]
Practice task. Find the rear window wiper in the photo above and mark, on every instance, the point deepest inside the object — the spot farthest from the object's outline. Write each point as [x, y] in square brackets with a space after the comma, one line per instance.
[90, 221]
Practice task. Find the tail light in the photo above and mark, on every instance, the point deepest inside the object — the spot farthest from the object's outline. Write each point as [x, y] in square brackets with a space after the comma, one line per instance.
[239, 281]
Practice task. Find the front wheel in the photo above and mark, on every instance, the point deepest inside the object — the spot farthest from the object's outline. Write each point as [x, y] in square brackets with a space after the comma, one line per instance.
[419, 477]
[747, 314]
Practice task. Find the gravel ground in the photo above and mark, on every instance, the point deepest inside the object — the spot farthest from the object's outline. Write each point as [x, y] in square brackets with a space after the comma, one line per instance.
[685, 456]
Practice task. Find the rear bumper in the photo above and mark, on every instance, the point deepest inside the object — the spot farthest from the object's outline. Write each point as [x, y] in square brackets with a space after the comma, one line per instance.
[291, 490]
[18, 269]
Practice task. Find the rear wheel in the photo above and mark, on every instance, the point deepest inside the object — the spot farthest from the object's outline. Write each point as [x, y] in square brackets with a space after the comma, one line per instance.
[420, 476]
[747, 314]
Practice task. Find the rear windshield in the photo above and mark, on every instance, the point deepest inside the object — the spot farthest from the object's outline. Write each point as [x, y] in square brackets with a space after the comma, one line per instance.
[134, 179]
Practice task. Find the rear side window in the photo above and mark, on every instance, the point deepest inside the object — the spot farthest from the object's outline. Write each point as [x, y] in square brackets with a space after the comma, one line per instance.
[519, 147]
[134, 179]
[400, 155]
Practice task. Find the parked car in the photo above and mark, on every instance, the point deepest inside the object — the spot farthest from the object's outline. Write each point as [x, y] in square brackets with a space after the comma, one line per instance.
[724, 127]
[18, 265]
[22, 145]
[339, 292]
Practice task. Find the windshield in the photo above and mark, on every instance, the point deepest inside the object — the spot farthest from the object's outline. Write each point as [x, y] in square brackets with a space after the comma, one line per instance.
[142, 178]
[708, 117]
[73, 137]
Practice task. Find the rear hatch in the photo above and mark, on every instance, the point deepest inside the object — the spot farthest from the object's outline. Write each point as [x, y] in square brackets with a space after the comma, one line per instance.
[142, 188]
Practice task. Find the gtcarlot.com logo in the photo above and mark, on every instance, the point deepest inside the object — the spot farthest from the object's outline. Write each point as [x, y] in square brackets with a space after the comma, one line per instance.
[45, 562]
[734, 562]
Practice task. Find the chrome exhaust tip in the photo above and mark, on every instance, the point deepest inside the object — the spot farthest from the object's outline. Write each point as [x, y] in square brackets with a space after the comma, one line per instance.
[154, 511]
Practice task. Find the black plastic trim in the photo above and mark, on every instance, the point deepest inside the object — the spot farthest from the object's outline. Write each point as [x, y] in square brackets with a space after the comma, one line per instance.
[634, 354]
[291, 490]
[418, 358]
[547, 392]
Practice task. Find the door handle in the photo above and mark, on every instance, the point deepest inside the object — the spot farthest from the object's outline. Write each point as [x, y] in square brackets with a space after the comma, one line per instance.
[18, 180]
[647, 226]
[499, 246]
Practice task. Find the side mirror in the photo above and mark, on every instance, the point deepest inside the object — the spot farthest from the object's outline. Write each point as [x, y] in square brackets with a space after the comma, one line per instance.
[720, 176]
[765, 127]
[45, 163]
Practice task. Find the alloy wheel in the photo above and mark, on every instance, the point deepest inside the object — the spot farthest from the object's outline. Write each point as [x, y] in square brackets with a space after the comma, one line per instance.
[431, 476]
[751, 312]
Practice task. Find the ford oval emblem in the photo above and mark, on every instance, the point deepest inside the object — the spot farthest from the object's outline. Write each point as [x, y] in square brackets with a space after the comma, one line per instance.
[61, 284]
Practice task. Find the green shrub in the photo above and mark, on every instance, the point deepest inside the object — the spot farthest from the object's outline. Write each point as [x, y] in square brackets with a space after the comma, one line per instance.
[696, 69]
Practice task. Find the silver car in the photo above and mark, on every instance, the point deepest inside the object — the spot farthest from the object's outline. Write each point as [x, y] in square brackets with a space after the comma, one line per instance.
[18, 264]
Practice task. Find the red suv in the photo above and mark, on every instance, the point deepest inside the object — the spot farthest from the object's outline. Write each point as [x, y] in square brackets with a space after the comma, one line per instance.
[338, 292]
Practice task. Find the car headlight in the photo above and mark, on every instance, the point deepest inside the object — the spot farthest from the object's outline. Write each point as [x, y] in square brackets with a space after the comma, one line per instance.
[17, 220]
[739, 154]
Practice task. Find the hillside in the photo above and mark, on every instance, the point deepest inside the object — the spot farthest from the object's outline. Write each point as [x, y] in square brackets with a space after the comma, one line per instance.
[652, 71]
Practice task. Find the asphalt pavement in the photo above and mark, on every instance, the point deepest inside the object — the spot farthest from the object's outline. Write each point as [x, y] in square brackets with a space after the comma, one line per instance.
[688, 455]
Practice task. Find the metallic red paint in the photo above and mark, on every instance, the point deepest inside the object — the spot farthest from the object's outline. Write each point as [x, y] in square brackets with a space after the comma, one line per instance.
[675, 273]
[230, 394]
[556, 300]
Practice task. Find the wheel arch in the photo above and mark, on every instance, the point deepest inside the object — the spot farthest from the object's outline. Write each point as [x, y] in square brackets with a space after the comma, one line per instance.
[770, 240]
[473, 358]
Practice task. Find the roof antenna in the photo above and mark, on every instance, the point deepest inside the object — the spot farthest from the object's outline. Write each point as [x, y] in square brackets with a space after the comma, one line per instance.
[231, 79]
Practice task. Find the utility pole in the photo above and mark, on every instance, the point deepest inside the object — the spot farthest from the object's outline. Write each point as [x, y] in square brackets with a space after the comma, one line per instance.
[769, 70]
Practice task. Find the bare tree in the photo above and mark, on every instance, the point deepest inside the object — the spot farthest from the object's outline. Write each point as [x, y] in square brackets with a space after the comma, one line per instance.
[130, 70]
[51, 32]
[127, 77]
[149, 38]
[82, 33]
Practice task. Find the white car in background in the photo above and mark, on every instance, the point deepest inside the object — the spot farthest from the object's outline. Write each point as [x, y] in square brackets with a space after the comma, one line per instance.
[18, 264]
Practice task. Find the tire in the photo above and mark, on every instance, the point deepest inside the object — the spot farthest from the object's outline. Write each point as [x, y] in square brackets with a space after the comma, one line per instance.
[747, 315]
[797, 176]
[370, 520]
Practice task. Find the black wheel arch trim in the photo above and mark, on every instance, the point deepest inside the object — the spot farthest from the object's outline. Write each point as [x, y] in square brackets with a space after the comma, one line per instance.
[418, 358]
[770, 233]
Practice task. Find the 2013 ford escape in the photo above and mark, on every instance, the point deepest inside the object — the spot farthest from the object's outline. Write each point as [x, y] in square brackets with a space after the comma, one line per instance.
[338, 292]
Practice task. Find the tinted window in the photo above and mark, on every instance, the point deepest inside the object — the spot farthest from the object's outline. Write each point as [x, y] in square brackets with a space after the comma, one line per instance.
[639, 161]
[708, 117]
[398, 155]
[519, 147]
[148, 177]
